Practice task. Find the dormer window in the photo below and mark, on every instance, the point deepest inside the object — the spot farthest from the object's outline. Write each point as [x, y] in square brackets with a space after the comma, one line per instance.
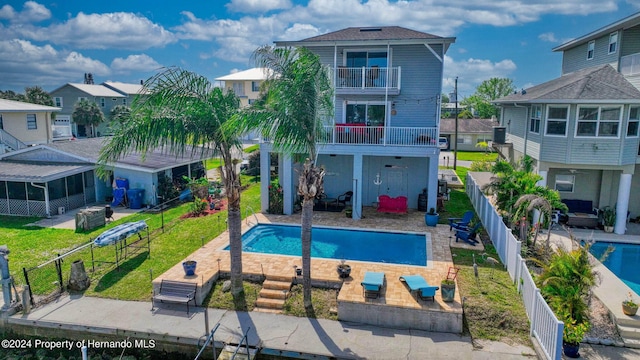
[613, 42]
[590, 49]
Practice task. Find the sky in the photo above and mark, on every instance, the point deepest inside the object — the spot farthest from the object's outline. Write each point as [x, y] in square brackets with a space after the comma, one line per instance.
[51, 43]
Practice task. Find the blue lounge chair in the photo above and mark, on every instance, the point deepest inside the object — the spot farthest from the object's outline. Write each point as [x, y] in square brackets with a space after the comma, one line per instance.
[469, 235]
[461, 222]
[419, 286]
[372, 284]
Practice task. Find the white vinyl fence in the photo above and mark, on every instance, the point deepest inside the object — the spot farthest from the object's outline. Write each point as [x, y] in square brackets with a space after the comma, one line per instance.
[545, 327]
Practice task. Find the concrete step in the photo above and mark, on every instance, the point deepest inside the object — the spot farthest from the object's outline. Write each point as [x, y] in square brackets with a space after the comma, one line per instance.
[267, 310]
[270, 303]
[273, 294]
[228, 350]
[629, 332]
[276, 285]
[281, 278]
[632, 343]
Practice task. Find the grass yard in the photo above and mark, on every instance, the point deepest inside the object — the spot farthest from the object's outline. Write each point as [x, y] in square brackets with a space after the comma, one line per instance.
[476, 156]
[323, 301]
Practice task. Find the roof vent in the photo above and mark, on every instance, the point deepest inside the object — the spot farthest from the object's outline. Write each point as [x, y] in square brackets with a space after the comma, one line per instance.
[370, 29]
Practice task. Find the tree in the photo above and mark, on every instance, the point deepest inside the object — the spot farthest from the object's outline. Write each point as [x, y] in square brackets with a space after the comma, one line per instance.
[11, 95]
[298, 98]
[36, 95]
[119, 115]
[87, 113]
[486, 92]
[445, 98]
[183, 112]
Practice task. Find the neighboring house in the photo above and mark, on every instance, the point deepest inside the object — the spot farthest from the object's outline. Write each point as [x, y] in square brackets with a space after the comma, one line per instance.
[582, 131]
[23, 124]
[470, 132]
[245, 84]
[130, 91]
[68, 95]
[617, 44]
[46, 180]
[383, 136]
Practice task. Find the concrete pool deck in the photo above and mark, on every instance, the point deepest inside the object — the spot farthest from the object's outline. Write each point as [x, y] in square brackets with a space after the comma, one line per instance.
[396, 307]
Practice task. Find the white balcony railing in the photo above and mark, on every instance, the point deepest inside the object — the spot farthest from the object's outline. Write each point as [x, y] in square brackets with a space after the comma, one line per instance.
[630, 64]
[355, 134]
[368, 77]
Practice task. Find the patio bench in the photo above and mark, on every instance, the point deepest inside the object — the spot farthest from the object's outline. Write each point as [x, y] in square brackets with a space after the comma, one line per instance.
[176, 292]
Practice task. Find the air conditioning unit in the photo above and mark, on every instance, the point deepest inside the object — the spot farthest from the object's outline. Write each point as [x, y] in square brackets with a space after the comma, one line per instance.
[61, 210]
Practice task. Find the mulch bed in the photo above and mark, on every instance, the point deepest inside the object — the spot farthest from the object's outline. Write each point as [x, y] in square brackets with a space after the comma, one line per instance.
[222, 204]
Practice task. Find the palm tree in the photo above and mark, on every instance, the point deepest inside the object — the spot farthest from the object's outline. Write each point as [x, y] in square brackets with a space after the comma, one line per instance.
[182, 111]
[298, 97]
[87, 113]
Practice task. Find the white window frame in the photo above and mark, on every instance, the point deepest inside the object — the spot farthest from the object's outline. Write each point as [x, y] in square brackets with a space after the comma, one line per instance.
[635, 119]
[547, 119]
[591, 48]
[565, 180]
[613, 42]
[599, 121]
[387, 106]
[32, 123]
[464, 139]
[535, 119]
[57, 101]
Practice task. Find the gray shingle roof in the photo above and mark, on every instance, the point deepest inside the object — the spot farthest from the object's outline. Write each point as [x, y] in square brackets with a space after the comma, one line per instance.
[468, 126]
[595, 84]
[38, 171]
[373, 33]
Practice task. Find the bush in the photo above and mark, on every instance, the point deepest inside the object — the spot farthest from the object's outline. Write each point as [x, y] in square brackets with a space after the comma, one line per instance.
[481, 165]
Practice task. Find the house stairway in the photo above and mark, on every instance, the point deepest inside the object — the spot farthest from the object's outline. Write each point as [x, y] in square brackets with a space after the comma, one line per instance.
[629, 330]
[274, 292]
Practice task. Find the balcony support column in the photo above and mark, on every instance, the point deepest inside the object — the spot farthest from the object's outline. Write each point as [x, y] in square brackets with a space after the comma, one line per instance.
[356, 200]
[432, 185]
[624, 191]
[288, 190]
[265, 177]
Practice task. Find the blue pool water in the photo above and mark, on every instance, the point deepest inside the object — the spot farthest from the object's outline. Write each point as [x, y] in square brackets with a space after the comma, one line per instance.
[622, 261]
[362, 245]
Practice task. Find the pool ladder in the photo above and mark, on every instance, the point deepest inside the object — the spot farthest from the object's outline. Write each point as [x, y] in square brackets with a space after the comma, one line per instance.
[249, 211]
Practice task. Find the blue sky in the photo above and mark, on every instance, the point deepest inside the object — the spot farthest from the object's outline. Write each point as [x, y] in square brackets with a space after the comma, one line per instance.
[50, 43]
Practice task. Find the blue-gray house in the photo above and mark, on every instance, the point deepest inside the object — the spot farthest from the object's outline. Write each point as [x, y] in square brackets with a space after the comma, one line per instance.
[383, 137]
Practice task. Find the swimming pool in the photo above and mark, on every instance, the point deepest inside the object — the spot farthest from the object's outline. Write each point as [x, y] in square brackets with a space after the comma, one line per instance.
[332, 243]
[622, 261]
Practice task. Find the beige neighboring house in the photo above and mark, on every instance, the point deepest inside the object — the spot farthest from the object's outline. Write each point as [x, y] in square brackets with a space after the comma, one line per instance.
[24, 124]
[470, 132]
[246, 84]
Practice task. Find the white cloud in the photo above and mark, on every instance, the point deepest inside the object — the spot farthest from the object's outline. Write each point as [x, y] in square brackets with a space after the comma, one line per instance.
[103, 31]
[31, 12]
[132, 63]
[548, 37]
[257, 6]
[7, 12]
[472, 72]
[26, 64]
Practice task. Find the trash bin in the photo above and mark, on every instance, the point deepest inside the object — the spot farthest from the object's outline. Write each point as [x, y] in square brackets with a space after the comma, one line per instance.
[135, 198]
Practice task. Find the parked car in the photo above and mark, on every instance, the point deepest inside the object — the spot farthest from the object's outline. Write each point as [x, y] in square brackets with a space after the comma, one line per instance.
[443, 143]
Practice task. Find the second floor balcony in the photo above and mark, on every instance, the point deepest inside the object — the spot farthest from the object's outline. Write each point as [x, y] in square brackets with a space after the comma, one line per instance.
[630, 64]
[360, 134]
[368, 80]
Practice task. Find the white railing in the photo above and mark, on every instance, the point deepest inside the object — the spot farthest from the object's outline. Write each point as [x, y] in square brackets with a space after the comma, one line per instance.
[61, 131]
[367, 77]
[545, 326]
[630, 64]
[11, 141]
[360, 134]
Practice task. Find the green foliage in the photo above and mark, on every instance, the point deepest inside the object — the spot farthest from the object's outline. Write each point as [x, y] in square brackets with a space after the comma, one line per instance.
[486, 92]
[198, 206]
[87, 113]
[36, 95]
[166, 189]
[482, 165]
[276, 198]
[573, 332]
[251, 149]
[629, 301]
[323, 301]
[609, 216]
[465, 114]
[119, 115]
[444, 98]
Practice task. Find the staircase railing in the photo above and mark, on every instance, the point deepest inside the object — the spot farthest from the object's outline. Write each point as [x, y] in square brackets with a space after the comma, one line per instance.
[11, 141]
[207, 341]
[246, 344]
[249, 211]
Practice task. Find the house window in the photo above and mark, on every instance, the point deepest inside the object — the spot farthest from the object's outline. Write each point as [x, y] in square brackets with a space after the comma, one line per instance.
[536, 115]
[590, 49]
[634, 121]
[557, 118]
[251, 101]
[31, 122]
[57, 101]
[255, 86]
[613, 42]
[124, 101]
[565, 183]
[238, 88]
[102, 102]
[1, 125]
[369, 114]
[464, 139]
[601, 121]
[114, 99]
[82, 98]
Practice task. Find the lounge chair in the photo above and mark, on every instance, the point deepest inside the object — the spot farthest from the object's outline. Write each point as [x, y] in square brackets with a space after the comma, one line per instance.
[372, 284]
[419, 286]
[461, 222]
[468, 236]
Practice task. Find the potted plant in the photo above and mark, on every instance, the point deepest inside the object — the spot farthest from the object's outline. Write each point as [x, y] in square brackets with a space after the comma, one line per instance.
[608, 218]
[572, 335]
[629, 307]
[189, 267]
[448, 289]
[431, 218]
[344, 270]
[348, 212]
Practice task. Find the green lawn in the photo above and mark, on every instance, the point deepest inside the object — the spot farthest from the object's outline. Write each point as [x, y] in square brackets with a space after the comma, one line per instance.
[475, 156]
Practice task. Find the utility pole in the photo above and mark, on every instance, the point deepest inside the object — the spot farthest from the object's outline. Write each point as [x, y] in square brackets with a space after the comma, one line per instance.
[455, 140]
